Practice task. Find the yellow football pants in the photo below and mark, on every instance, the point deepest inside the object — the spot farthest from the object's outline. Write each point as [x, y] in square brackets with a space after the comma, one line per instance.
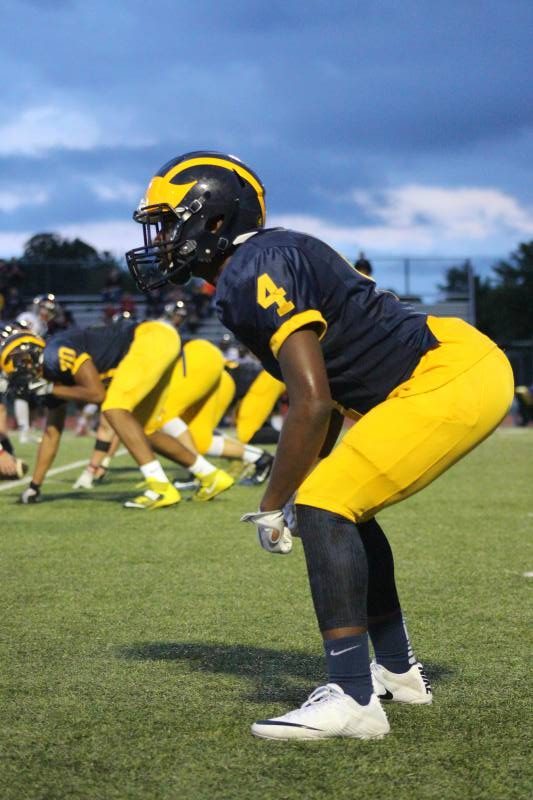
[457, 395]
[204, 417]
[200, 392]
[257, 404]
[142, 379]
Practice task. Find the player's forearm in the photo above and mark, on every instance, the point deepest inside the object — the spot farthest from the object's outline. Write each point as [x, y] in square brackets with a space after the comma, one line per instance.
[84, 394]
[334, 428]
[46, 454]
[303, 434]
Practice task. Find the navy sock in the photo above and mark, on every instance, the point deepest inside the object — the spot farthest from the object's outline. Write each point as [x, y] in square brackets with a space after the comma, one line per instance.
[347, 662]
[391, 644]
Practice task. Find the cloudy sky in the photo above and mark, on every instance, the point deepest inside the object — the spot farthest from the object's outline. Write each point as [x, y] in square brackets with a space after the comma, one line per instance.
[401, 127]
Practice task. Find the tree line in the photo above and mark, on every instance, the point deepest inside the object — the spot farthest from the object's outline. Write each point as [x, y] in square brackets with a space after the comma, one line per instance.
[504, 300]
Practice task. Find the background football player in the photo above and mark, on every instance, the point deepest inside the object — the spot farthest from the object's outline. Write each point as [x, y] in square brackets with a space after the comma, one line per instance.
[74, 364]
[425, 391]
[199, 394]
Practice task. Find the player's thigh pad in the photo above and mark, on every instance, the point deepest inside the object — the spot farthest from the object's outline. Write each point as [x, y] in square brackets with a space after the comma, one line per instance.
[204, 417]
[411, 438]
[153, 350]
[195, 376]
[257, 404]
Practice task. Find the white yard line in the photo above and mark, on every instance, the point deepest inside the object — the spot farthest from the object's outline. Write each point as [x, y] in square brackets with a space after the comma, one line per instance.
[56, 471]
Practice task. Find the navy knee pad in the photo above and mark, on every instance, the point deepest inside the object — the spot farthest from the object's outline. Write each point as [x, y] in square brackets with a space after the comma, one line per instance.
[336, 566]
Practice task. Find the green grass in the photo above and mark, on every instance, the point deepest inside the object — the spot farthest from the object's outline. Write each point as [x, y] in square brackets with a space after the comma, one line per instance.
[137, 647]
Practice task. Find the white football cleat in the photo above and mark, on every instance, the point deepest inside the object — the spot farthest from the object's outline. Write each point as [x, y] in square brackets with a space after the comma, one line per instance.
[406, 687]
[327, 712]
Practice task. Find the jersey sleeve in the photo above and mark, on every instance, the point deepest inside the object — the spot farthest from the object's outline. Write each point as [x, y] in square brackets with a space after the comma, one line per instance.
[286, 296]
[61, 362]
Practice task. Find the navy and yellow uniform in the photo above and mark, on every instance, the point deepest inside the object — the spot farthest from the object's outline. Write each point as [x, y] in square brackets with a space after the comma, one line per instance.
[425, 390]
[200, 392]
[105, 345]
[135, 361]
[142, 378]
[257, 404]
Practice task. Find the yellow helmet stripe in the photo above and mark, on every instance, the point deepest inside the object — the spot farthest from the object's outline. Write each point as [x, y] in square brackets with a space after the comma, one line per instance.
[10, 346]
[219, 162]
[160, 191]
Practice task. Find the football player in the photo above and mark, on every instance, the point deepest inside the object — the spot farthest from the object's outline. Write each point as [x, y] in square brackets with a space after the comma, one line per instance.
[257, 405]
[37, 318]
[75, 364]
[8, 463]
[10, 467]
[199, 394]
[424, 391]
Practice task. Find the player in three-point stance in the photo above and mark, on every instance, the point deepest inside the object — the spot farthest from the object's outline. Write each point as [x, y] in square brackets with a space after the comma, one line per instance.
[115, 366]
[424, 391]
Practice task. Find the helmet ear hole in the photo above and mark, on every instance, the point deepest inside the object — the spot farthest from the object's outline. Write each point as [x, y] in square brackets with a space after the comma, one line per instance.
[215, 223]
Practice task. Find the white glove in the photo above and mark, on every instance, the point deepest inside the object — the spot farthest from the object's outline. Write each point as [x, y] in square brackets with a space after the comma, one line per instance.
[273, 534]
[289, 515]
[4, 384]
[30, 495]
[86, 480]
[40, 388]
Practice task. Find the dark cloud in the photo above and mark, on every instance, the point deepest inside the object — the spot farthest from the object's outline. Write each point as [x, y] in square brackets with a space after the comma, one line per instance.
[319, 98]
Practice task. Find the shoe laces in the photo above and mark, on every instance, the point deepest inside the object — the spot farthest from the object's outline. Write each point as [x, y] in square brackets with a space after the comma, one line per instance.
[320, 694]
[424, 678]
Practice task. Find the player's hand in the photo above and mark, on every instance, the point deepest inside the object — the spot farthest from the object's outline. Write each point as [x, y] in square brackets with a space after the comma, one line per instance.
[11, 467]
[31, 495]
[4, 384]
[40, 387]
[273, 534]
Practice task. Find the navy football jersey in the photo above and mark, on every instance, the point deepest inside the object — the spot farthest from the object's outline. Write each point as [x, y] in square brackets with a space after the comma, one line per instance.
[279, 280]
[106, 345]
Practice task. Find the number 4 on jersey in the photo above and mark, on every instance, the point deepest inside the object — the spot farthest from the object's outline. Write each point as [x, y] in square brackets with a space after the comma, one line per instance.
[269, 294]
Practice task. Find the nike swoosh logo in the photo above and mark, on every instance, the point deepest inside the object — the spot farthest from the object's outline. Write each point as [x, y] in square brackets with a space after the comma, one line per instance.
[346, 650]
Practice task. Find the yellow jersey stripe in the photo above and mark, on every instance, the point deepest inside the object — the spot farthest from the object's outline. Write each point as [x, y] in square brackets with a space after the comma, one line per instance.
[81, 359]
[293, 324]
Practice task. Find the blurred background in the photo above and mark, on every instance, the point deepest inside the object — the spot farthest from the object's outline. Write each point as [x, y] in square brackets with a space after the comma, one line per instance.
[401, 133]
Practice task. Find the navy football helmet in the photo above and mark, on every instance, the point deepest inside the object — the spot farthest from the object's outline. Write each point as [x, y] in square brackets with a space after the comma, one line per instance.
[193, 210]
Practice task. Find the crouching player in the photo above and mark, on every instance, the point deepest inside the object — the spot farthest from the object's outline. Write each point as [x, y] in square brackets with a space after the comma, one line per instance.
[199, 394]
[426, 391]
[75, 364]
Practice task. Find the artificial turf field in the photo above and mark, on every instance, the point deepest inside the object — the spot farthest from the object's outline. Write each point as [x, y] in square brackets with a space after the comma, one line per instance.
[137, 647]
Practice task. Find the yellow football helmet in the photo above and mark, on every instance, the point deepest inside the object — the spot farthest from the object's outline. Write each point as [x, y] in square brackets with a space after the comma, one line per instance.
[193, 210]
[21, 355]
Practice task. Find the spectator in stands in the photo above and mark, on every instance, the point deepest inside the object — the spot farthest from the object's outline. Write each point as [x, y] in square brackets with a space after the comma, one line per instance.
[112, 293]
[127, 303]
[13, 302]
[202, 295]
[362, 264]
[155, 303]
